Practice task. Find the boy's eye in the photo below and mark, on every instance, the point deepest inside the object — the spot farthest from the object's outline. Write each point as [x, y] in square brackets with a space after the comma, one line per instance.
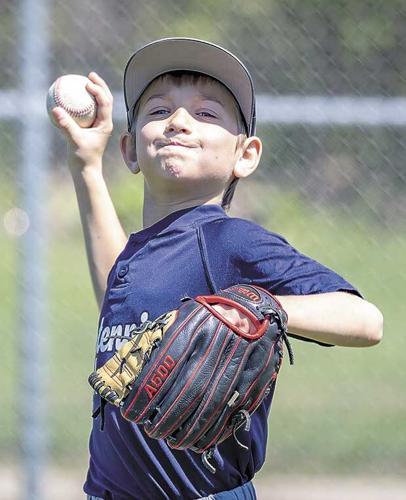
[158, 111]
[206, 113]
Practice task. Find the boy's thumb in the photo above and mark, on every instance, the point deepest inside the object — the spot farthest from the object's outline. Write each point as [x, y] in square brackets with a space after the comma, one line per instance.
[64, 121]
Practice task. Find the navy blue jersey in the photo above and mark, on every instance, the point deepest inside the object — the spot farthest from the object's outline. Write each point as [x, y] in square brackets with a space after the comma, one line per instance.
[190, 252]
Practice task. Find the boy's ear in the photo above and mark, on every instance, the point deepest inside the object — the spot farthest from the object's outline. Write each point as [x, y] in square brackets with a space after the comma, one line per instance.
[128, 150]
[250, 154]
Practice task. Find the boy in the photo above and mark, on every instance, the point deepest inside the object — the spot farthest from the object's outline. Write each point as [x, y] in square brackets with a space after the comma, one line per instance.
[191, 126]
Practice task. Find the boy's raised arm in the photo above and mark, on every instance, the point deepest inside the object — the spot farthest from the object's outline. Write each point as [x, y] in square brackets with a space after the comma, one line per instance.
[103, 233]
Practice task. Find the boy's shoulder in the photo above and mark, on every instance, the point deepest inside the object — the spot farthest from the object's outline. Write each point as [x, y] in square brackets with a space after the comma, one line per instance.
[233, 242]
[238, 231]
[237, 250]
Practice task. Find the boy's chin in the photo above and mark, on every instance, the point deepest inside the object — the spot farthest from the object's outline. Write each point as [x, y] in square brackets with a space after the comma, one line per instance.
[182, 174]
[175, 171]
[179, 171]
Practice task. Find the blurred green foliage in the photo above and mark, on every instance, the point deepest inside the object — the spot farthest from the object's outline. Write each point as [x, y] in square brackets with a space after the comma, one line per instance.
[291, 46]
[358, 169]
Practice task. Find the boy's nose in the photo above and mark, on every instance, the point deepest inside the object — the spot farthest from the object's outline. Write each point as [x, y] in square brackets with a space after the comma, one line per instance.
[179, 121]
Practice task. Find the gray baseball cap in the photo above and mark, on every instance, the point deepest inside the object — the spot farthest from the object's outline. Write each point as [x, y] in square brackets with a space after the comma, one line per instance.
[189, 54]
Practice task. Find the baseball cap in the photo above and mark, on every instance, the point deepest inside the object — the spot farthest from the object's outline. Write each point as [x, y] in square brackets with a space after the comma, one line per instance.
[189, 54]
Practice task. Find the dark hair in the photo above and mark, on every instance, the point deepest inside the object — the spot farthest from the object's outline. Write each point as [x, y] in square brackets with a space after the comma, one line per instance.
[229, 194]
[181, 77]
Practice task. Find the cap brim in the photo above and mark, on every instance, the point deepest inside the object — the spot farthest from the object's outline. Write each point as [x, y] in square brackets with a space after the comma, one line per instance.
[189, 54]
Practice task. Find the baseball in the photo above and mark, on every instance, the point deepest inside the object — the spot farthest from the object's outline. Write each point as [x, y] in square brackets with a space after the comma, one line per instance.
[69, 92]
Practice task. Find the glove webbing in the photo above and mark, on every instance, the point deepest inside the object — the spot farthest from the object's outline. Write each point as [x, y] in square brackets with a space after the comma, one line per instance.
[157, 323]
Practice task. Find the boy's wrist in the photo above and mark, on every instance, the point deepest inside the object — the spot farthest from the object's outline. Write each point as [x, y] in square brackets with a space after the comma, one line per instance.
[86, 172]
[80, 157]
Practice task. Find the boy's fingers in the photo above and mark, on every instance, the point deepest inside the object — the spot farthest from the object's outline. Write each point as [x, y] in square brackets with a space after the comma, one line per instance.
[104, 103]
[235, 317]
[102, 97]
[95, 78]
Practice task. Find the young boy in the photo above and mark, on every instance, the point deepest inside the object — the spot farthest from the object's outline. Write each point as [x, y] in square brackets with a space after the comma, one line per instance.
[191, 126]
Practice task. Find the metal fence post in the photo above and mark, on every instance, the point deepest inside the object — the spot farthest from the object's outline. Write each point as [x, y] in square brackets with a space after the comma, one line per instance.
[33, 178]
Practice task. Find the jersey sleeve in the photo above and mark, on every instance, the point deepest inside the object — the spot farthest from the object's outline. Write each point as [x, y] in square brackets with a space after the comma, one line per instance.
[237, 250]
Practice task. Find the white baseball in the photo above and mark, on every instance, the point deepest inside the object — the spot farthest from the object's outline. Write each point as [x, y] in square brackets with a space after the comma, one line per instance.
[69, 92]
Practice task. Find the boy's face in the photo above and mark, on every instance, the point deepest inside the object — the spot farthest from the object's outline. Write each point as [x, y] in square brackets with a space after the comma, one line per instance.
[187, 136]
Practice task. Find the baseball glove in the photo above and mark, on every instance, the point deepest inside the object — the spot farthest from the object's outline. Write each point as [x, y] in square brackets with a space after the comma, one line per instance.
[192, 376]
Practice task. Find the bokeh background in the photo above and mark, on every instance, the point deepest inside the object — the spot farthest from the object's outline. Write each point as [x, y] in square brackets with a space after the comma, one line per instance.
[330, 78]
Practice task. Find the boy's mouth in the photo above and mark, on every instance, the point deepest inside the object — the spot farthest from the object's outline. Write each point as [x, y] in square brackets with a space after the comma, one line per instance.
[171, 142]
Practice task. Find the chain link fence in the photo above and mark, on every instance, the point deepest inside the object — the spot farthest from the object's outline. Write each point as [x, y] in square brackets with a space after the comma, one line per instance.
[331, 80]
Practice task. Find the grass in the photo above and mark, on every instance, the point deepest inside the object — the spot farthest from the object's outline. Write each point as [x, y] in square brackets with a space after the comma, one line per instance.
[336, 410]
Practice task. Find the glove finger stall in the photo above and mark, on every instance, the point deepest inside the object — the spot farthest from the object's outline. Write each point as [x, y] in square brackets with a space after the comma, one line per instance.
[196, 379]
[165, 364]
[257, 378]
[219, 391]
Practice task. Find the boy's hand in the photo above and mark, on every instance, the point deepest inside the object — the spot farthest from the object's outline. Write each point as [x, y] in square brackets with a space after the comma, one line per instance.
[87, 145]
[235, 317]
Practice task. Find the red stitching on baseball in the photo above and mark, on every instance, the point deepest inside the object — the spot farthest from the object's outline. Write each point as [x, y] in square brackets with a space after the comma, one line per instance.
[76, 112]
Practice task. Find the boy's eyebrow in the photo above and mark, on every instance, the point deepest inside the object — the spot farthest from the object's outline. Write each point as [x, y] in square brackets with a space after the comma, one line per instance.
[155, 96]
[204, 97]
[211, 98]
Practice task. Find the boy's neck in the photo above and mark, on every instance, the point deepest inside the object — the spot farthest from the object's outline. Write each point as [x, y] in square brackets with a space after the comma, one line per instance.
[154, 211]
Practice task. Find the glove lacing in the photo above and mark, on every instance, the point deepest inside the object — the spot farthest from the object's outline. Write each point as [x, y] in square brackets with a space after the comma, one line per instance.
[242, 418]
[273, 313]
